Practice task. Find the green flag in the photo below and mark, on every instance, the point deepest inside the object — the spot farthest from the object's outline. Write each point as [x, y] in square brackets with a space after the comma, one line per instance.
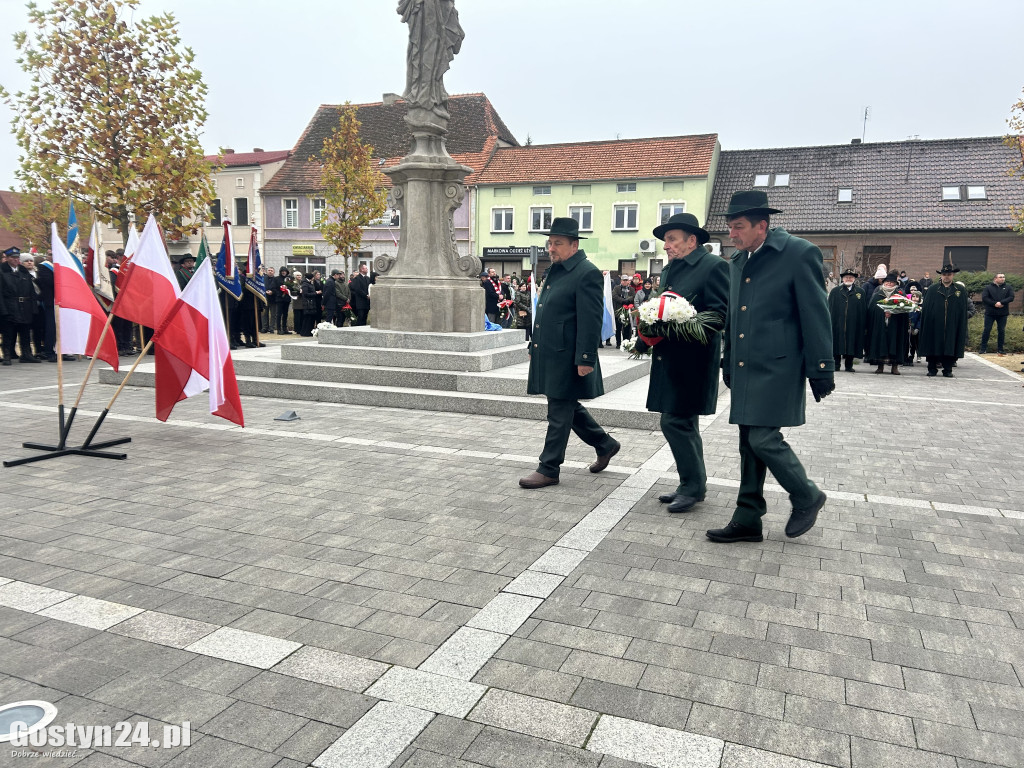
[204, 251]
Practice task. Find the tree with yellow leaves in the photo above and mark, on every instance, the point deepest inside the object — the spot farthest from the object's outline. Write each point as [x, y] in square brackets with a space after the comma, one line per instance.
[1016, 140]
[350, 183]
[112, 115]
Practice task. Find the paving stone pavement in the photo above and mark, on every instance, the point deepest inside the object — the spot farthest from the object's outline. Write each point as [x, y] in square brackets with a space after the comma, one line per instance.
[370, 587]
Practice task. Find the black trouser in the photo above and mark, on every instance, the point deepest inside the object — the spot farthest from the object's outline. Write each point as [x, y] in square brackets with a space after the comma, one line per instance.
[682, 433]
[39, 330]
[123, 333]
[566, 416]
[915, 339]
[279, 321]
[265, 318]
[49, 332]
[21, 332]
[340, 317]
[946, 361]
[761, 449]
[622, 331]
[306, 322]
[361, 315]
[986, 331]
[847, 359]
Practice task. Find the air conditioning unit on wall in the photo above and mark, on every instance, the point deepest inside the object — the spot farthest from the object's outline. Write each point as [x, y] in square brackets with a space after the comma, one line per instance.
[648, 245]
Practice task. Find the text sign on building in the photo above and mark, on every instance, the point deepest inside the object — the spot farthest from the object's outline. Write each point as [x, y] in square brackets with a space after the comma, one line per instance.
[303, 249]
[511, 250]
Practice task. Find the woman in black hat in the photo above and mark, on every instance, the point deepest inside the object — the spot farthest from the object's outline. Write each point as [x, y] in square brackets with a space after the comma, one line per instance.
[888, 334]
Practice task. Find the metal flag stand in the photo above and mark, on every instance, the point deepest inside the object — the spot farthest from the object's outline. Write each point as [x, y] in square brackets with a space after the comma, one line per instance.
[61, 449]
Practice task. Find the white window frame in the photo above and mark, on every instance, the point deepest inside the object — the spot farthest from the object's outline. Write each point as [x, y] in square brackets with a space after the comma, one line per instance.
[626, 204]
[590, 209]
[947, 193]
[847, 198]
[777, 183]
[511, 219]
[625, 186]
[972, 196]
[313, 209]
[248, 210]
[674, 203]
[284, 212]
[239, 182]
[539, 189]
[757, 179]
[547, 208]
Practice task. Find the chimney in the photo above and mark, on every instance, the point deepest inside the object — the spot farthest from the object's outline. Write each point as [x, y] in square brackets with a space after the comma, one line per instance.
[228, 151]
[257, 149]
[855, 141]
[390, 98]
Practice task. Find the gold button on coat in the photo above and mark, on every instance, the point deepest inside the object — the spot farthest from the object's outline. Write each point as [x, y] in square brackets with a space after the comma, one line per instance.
[741, 335]
[741, 364]
[747, 280]
[743, 308]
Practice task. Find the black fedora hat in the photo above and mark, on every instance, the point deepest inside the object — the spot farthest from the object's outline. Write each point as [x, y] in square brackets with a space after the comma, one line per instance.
[566, 227]
[848, 271]
[948, 269]
[749, 201]
[686, 222]
[892, 277]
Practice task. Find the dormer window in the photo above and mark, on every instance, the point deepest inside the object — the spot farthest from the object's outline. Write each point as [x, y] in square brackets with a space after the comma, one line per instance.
[761, 179]
[951, 193]
[845, 195]
[975, 192]
[781, 180]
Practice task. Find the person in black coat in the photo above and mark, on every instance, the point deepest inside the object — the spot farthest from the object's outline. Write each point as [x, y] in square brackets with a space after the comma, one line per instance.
[847, 306]
[996, 298]
[18, 306]
[491, 297]
[44, 280]
[887, 334]
[330, 298]
[360, 286]
[280, 299]
[622, 296]
[307, 304]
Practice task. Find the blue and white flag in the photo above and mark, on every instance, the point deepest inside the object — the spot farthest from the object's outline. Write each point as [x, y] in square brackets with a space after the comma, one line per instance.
[608, 326]
[226, 271]
[73, 245]
[254, 269]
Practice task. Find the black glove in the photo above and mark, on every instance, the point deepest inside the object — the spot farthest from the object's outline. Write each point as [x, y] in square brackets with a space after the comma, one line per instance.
[727, 378]
[822, 388]
[641, 346]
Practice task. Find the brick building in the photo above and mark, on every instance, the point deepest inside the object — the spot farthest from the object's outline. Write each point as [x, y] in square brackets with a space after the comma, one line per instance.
[911, 205]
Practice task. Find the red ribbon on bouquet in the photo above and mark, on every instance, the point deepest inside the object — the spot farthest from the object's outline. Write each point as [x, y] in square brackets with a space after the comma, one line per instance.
[650, 341]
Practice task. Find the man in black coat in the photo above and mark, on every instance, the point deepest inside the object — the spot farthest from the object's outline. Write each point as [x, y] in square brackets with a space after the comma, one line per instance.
[622, 296]
[18, 305]
[360, 286]
[847, 306]
[943, 323]
[996, 298]
[491, 296]
[330, 296]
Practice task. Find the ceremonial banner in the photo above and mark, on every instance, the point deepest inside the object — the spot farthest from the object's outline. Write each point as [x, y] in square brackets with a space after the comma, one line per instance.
[81, 318]
[193, 353]
[254, 280]
[608, 325]
[146, 286]
[226, 272]
[72, 238]
[96, 266]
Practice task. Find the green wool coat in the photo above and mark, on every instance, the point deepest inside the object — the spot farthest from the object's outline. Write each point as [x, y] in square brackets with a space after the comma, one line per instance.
[567, 331]
[684, 374]
[848, 309]
[778, 334]
[943, 321]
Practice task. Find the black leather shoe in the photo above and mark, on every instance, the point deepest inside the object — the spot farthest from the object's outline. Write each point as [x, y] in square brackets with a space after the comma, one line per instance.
[602, 461]
[683, 503]
[802, 520]
[932, 373]
[947, 375]
[28, 359]
[734, 532]
[667, 498]
[6, 361]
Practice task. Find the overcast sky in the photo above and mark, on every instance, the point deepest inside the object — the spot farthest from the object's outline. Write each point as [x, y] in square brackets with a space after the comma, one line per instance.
[785, 73]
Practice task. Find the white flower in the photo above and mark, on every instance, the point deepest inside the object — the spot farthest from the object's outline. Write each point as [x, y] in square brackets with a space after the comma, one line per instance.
[667, 308]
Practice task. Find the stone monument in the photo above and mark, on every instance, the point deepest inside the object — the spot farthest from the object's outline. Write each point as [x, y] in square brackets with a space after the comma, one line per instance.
[428, 286]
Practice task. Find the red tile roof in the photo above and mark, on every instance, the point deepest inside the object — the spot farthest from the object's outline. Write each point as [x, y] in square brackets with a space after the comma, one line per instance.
[473, 133]
[602, 160]
[8, 202]
[233, 159]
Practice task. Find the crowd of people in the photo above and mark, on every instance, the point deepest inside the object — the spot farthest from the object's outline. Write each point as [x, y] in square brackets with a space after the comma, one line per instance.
[311, 300]
[890, 320]
[27, 321]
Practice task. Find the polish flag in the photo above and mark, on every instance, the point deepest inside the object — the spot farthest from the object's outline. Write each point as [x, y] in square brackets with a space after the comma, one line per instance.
[193, 354]
[133, 241]
[81, 318]
[146, 286]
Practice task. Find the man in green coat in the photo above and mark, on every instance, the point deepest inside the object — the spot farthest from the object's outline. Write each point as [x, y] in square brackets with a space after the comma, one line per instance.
[684, 374]
[777, 337]
[943, 323]
[563, 353]
[847, 305]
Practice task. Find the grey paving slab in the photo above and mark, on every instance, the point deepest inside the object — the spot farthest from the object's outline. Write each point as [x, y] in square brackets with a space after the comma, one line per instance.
[30, 597]
[424, 690]
[377, 739]
[331, 668]
[90, 612]
[164, 628]
[654, 745]
[464, 653]
[534, 717]
[505, 613]
[244, 647]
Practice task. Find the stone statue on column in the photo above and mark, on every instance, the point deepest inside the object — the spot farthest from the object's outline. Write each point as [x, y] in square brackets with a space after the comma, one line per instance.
[429, 285]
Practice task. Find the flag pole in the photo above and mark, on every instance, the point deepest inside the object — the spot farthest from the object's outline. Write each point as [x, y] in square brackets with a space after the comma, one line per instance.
[60, 382]
[256, 318]
[88, 373]
[103, 415]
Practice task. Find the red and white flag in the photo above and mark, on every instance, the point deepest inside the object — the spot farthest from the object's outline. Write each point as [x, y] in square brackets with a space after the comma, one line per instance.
[81, 318]
[96, 271]
[146, 285]
[133, 241]
[193, 354]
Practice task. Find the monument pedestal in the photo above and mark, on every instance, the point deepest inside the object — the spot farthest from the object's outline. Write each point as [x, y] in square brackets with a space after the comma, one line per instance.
[438, 304]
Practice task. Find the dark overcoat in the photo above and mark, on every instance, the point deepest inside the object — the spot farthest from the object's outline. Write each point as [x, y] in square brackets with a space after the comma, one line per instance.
[885, 341]
[848, 309]
[684, 374]
[943, 321]
[778, 333]
[567, 331]
[330, 298]
[20, 301]
[360, 287]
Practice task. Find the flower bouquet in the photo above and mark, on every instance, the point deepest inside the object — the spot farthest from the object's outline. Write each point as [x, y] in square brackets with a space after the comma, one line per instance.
[670, 316]
[629, 346]
[625, 313]
[898, 304]
[324, 326]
